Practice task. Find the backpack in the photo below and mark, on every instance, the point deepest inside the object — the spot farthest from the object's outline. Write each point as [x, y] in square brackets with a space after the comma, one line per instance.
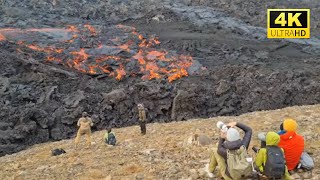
[56, 152]
[111, 139]
[238, 166]
[275, 164]
[306, 161]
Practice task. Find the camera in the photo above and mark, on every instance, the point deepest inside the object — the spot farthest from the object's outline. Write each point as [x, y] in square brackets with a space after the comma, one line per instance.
[222, 126]
[255, 149]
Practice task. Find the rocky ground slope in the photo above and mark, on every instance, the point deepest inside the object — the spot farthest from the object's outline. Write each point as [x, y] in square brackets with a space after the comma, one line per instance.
[245, 71]
[166, 152]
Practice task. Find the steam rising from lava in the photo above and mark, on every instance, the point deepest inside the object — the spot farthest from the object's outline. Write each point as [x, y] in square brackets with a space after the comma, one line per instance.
[119, 51]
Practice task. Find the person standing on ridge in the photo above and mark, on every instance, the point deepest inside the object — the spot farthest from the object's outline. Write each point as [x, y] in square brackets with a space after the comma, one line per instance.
[85, 123]
[142, 118]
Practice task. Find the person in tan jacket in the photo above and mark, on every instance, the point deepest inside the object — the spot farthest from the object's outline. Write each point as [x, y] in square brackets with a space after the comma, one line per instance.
[85, 123]
[142, 118]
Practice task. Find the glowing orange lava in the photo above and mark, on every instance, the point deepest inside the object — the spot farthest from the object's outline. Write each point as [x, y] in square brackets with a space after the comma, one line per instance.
[82, 55]
[141, 52]
[120, 73]
[2, 38]
[91, 29]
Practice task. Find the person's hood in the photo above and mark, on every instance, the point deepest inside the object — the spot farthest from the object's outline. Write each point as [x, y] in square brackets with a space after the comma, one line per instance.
[288, 135]
[272, 139]
[290, 125]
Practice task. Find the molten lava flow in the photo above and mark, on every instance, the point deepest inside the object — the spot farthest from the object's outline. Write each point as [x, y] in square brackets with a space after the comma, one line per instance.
[92, 69]
[139, 56]
[72, 28]
[125, 46]
[120, 73]
[126, 28]
[2, 38]
[118, 56]
[91, 29]
[81, 55]
[152, 55]
[78, 61]
[156, 41]
[152, 68]
[178, 74]
[137, 34]
[105, 58]
[35, 47]
[74, 37]
[185, 61]
[105, 69]
[53, 59]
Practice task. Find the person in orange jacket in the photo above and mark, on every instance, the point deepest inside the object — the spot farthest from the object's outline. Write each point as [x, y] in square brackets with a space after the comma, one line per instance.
[292, 144]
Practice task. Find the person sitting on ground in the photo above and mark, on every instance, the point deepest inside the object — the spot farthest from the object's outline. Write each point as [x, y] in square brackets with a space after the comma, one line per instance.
[85, 123]
[229, 140]
[110, 137]
[273, 166]
[292, 144]
[262, 136]
[282, 131]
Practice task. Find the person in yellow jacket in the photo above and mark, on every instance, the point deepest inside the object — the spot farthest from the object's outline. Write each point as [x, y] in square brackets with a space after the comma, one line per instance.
[272, 139]
[85, 123]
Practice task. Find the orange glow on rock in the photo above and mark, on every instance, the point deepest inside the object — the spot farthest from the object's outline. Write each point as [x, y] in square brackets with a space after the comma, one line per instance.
[81, 54]
[139, 57]
[120, 73]
[179, 74]
[2, 38]
[107, 55]
[91, 29]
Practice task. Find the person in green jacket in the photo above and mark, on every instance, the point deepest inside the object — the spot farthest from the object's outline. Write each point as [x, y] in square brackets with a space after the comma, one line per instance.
[110, 137]
[272, 139]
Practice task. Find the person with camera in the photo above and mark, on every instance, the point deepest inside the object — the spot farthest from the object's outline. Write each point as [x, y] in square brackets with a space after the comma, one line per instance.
[270, 161]
[230, 141]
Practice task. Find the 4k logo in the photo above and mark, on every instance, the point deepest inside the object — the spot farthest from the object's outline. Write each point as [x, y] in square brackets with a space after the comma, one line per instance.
[288, 23]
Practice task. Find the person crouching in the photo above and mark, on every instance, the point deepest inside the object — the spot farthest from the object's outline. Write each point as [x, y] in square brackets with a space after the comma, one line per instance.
[110, 137]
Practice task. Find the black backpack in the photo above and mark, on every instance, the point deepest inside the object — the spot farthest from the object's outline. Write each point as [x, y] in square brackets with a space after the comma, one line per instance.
[111, 139]
[56, 152]
[275, 164]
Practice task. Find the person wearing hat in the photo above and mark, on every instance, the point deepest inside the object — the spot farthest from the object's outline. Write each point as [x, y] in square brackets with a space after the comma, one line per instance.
[272, 139]
[84, 123]
[292, 143]
[142, 119]
[262, 135]
[230, 139]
